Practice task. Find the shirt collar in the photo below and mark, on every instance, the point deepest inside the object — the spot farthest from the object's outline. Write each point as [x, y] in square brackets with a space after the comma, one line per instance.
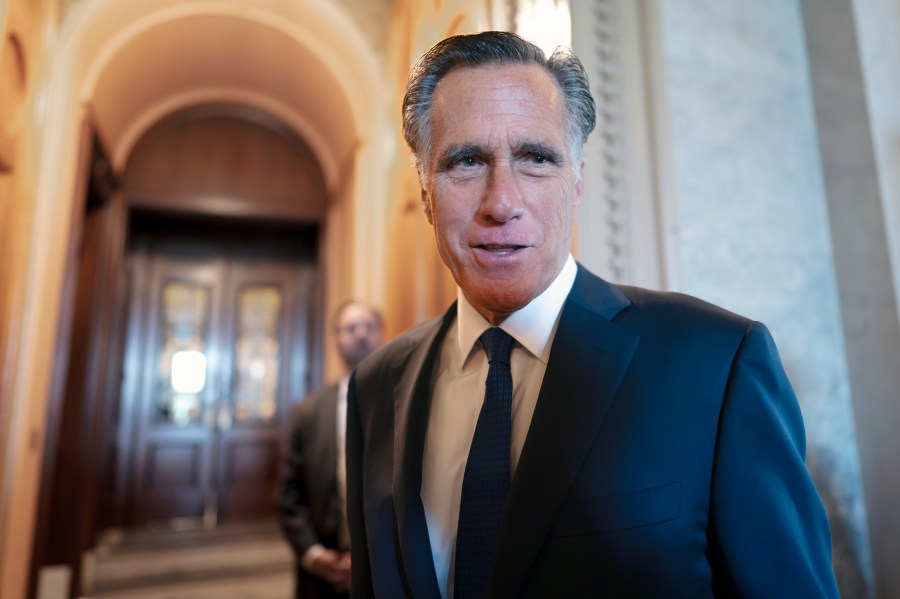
[532, 326]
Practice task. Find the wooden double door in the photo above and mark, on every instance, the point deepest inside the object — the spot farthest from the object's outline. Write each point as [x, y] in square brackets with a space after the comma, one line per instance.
[221, 344]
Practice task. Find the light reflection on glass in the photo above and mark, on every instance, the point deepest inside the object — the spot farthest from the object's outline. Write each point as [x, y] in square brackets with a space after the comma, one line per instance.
[181, 370]
[188, 371]
[257, 359]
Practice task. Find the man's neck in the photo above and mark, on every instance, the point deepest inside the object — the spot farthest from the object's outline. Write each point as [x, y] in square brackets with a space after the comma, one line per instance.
[495, 318]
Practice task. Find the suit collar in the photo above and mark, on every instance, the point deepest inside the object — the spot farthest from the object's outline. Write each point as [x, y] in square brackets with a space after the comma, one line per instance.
[588, 360]
[596, 295]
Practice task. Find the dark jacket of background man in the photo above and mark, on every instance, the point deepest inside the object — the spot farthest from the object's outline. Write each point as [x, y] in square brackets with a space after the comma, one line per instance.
[311, 501]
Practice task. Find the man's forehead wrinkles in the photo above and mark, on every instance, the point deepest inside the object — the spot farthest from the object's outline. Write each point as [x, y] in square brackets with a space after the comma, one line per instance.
[505, 147]
[506, 137]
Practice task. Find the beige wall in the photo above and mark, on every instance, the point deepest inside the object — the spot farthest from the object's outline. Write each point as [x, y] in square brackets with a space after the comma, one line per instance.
[418, 286]
[27, 27]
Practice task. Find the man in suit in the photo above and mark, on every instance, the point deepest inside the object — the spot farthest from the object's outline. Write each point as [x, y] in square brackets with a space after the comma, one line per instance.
[311, 500]
[650, 443]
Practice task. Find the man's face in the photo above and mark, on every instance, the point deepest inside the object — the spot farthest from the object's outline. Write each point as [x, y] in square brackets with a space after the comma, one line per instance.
[358, 334]
[500, 189]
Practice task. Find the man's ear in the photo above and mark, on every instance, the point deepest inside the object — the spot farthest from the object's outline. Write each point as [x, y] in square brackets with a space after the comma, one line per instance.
[579, 185]
[426, 206]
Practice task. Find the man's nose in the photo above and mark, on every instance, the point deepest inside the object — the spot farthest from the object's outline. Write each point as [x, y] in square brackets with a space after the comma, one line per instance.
[359, 330]
[502, 199]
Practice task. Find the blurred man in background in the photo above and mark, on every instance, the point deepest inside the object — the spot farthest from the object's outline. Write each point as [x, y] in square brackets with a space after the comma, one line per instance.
[312, 496]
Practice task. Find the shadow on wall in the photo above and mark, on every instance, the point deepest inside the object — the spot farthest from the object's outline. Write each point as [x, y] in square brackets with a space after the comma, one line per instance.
[852, 564]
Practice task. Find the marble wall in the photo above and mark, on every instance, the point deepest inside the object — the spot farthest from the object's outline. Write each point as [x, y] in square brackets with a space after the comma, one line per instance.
[878, 32]
[860, 241]
[754, 232]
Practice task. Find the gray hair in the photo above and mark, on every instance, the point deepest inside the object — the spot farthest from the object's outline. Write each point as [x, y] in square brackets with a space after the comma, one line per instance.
[487, 48]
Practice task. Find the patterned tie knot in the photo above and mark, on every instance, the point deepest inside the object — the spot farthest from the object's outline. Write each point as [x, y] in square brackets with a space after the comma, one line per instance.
[497, 344]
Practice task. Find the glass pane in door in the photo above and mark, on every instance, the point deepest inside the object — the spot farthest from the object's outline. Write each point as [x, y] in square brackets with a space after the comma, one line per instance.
[257, 354]
[181, 361]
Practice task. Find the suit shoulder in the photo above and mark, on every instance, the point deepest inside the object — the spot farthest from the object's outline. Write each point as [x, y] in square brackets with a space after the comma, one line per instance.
[676, 324]
[681, 305]
[683, 319]
[312, 400]
[398, 350]
[626, 303]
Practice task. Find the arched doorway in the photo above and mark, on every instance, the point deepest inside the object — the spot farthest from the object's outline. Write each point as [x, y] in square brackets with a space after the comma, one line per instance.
[125, 66]
[222, 265]
[215, 303]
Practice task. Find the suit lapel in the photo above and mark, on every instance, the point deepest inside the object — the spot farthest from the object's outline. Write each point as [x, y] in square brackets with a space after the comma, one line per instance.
[412, 403]
[588, 360]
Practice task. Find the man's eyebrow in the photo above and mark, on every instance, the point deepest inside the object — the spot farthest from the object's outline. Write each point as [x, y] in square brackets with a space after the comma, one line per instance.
[454, 154]
[537, 148]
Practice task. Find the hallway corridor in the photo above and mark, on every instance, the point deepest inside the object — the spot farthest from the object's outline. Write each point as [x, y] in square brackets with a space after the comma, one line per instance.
[230, 562]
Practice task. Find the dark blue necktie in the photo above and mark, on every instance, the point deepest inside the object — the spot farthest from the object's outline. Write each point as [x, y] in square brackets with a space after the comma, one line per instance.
[486, 480]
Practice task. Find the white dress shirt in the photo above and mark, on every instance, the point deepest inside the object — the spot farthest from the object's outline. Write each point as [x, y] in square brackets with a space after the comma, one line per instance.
[456, 402]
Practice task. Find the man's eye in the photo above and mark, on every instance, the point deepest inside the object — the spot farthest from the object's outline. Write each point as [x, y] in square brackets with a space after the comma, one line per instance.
[540, 159]
[468, 161]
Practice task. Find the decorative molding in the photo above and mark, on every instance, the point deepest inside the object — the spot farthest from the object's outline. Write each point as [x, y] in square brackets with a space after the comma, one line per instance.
[372, 18]
[608, 90]
[627, 223]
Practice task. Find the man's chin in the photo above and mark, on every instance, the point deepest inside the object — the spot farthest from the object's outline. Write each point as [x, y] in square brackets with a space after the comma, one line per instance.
[496, 307]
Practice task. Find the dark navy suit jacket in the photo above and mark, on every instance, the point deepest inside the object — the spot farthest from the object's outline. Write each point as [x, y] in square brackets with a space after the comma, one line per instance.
[665, 458]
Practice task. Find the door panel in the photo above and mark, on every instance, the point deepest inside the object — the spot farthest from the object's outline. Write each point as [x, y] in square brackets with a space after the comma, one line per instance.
[173, 467]
[223, 324]
[174, 482]
[260, 295]
[249, 465]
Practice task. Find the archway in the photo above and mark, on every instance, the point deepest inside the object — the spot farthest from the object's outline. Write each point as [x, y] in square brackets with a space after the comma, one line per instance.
[120, 69]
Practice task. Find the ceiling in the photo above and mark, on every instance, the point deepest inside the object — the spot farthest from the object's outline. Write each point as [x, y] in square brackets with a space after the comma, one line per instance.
[157, 63]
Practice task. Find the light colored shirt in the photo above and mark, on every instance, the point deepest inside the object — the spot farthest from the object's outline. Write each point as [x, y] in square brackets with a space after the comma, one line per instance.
[456, 402]
[313, 553]
[341, 461]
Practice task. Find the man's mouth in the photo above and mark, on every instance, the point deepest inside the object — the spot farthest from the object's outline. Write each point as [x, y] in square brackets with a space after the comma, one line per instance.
[499, 249]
